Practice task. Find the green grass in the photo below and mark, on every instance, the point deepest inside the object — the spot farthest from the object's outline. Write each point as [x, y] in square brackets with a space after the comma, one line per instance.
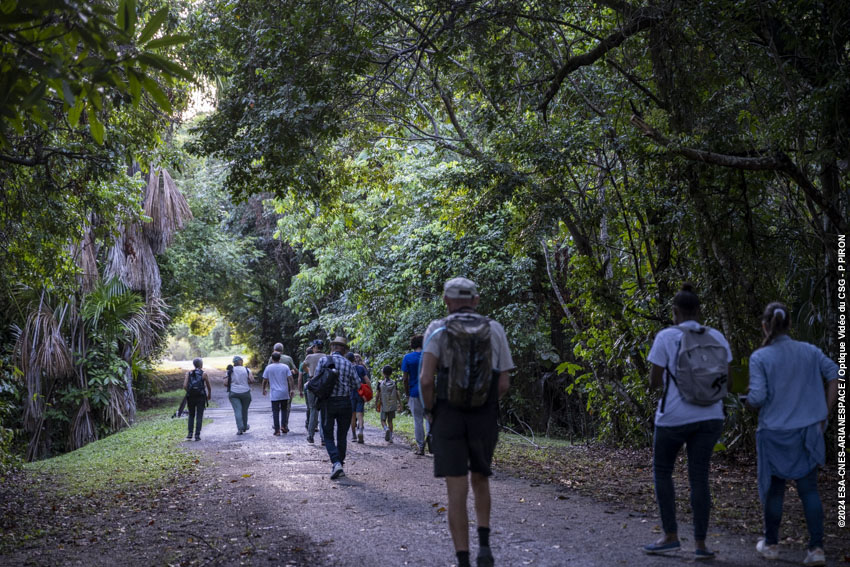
[146, 454]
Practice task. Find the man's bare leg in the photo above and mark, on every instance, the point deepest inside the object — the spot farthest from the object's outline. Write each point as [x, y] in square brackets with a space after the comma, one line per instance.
[458, 490]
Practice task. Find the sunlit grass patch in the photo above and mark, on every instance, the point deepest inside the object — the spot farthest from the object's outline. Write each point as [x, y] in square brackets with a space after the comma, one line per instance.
[146, 454]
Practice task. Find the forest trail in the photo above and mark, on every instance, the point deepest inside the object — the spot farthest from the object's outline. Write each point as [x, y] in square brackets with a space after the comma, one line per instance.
[389, 509]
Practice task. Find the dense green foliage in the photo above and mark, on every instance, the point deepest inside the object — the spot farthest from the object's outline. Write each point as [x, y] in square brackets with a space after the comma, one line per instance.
[578, 161]
[87, 92]
[611, 150]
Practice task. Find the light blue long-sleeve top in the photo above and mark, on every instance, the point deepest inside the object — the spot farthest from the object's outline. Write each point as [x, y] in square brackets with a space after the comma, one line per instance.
[787, 383]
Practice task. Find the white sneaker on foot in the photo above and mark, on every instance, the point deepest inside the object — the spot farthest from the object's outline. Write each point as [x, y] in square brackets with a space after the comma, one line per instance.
[337, 471]
[767, 551]
[815, 556]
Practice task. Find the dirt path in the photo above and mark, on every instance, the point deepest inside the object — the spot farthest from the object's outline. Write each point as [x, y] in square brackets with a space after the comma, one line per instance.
[257, 499]
[390, 509]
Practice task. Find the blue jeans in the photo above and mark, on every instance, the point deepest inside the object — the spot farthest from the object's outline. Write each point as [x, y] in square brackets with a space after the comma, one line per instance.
[336, 410]
[240, 403]
[807, 488]
[700, 437]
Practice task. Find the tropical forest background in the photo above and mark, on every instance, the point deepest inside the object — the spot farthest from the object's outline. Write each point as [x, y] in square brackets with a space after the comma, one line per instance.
[181, 177]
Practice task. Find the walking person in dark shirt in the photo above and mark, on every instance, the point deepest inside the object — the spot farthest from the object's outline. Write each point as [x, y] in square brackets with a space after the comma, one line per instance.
[195, 383]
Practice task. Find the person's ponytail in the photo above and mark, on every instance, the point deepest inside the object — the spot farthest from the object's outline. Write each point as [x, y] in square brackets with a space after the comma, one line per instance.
[777, 320]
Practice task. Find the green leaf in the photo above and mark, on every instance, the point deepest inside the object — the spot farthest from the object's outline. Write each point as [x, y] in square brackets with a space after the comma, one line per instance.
[167, 41]
[163, 64]
[157, 94]
[153, 25]
[135, 87]
[76, 111]
[121, 16]
[126, 17]
[67, 94]
[96, 126]
[35, 95]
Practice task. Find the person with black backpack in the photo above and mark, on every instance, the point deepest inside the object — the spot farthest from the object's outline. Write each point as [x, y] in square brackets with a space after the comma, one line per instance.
[690, 363]
[198, 393]
[332, 384]
[465, 369]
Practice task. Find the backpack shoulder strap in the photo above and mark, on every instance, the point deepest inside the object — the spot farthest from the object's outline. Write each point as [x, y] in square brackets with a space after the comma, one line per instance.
[668, 375]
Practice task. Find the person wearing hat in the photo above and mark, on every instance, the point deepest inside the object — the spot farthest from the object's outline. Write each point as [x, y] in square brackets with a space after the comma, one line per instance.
[464, 439]
[240, 394]
[337, 408]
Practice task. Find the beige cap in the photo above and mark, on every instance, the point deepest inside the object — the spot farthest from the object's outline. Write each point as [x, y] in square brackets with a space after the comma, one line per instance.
[460, 288]
[340, 341]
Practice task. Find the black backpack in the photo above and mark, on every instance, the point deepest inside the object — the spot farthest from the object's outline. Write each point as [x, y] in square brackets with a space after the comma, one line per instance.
[196, 382]
[466, 375]
[322, 385]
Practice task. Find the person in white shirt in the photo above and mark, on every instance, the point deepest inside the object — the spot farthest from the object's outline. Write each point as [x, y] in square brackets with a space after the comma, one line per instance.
[240, 394]
[679, 423]
[278, 378]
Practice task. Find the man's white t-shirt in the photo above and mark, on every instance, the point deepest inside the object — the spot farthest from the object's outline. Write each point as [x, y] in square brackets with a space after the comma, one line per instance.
[278, 375]
[663, 353]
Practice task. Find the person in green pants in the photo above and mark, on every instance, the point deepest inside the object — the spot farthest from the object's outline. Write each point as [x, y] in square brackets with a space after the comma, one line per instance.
[240, 394]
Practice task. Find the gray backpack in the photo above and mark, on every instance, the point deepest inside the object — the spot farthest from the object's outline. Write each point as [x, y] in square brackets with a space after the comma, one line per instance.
[466, 374]
[701, 368]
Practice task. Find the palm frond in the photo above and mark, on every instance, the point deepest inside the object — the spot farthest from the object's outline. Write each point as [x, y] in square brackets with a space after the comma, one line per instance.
[167, 208]
[83, 430]
[83, 255]
[148, 325]
[110, 304]
[132, 261]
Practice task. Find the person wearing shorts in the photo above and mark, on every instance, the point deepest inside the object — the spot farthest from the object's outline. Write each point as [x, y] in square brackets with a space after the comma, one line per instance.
[464, 440]
[388, 400]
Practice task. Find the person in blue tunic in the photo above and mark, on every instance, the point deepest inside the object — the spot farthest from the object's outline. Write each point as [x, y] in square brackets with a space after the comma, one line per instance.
[787, 379]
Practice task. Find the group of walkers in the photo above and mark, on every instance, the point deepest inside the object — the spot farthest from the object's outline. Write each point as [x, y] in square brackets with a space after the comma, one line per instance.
[458, 370]
[792, 385]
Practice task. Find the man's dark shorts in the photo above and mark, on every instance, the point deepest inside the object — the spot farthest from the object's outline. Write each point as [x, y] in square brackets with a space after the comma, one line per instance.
[464, 441]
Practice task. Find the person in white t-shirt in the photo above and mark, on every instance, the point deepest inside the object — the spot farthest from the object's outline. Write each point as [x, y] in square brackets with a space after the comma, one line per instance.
[678, 423]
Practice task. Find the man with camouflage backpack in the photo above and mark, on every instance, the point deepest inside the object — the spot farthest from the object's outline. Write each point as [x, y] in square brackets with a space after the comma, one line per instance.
[465, 366]
[198, 392]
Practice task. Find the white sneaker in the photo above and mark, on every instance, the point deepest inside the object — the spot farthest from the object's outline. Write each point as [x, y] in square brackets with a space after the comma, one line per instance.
[815, 556]
[767, 551]
[337, 471]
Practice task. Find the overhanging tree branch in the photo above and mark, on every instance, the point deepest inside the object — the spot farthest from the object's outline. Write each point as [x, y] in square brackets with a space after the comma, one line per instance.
[643, 20]
[779, 162]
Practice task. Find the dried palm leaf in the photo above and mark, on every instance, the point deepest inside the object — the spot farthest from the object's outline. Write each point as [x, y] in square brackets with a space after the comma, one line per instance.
[132, 261]
[42, 354]
[167, 208]
[114, 412]
[83, 255]
[83, 430]
[148, 326]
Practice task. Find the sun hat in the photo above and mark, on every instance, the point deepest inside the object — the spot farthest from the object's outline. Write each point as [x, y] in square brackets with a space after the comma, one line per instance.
[340, 341]
[460, 288]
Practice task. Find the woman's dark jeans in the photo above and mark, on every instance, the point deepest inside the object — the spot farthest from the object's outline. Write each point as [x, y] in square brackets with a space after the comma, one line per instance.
[197, 403]
[700, 438]
[807, 488]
